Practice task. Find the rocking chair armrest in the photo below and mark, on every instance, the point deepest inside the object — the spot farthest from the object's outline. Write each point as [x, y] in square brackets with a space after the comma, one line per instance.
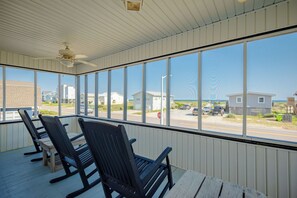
[133, 140]
[38, 128]
[163, 155]
[150, 171]
[76, 137]
[65, 125]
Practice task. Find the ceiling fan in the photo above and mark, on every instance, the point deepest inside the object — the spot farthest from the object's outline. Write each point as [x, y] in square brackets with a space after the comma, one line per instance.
[67, 57]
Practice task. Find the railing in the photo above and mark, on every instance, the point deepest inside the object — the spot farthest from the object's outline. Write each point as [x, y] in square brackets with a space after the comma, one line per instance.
[12, 113]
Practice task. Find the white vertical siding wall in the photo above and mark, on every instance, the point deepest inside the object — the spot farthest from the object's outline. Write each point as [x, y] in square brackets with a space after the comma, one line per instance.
[276, 16]
[270, 170]
[9, 58]
[15, 135]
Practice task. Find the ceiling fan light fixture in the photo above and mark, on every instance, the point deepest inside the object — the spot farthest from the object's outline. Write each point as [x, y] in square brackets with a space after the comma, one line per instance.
[133, 5]
[67, 63]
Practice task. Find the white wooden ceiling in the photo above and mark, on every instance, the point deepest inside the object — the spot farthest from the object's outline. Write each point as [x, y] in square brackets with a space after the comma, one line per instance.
[101, 27]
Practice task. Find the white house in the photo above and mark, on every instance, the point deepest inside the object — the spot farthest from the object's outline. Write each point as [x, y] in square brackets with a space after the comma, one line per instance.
[49, 96]
[257, 103]
[153, 100]
[116, 98]
[67, 93]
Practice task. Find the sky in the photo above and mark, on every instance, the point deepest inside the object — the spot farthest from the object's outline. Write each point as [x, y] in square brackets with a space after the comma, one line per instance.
[271, 63]
[46, 81]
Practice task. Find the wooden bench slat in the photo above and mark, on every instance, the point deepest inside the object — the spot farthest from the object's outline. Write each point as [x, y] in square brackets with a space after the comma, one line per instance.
[187, 186]
[230, 190]
[252, 193]
[194, 184]
[211, 187]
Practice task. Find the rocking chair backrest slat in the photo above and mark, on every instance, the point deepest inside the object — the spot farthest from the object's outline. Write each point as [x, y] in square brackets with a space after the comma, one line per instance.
[113, 155]
[58, 135]
[29, 124]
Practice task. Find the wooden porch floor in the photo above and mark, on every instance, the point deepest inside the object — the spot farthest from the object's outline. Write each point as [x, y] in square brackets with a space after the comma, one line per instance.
[19, 177]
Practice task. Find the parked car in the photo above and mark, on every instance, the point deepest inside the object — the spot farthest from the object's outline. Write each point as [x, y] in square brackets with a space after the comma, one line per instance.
[218, 110]
[206, 110]
[195, 111]
[82, 110]
[185, 107]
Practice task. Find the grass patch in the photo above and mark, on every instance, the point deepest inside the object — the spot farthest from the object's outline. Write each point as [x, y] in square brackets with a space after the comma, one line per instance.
[50, 104]
[57, 104]
[268, 115]
[230, 115]
[47, 112]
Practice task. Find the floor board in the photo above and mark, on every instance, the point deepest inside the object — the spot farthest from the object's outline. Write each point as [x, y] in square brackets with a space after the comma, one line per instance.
[19, 177]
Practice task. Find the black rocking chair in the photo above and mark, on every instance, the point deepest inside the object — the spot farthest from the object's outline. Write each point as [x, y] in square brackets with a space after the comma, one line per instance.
[120, 169]
[34, 133]
[79, 158]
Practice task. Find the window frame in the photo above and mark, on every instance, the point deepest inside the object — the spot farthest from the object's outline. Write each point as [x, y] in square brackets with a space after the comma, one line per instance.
[244, 97]
[3, 68]
[197, 50]
[238, 97]
[260, 97]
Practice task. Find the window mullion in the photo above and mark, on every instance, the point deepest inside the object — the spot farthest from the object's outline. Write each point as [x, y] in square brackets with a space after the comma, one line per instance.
[244, 89]
[4, 92]
[168, 87]
[109, 94]
[59, 95]
[96, 95]
[86, 95]
[35, 94]
[125, 93]
[199, 91]
[144, 93]
[77, 110]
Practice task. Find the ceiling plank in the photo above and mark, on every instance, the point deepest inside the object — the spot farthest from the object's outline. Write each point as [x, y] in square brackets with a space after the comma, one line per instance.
[195, 12]
[230, 7]
[239, 8]
[249, 5]
[258, 4]
[212, 10]
[220, 6]
[203, 11]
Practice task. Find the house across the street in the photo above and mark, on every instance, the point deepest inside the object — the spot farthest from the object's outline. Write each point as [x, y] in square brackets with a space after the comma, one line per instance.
[153, 100]
[257, 103]
[116, 98]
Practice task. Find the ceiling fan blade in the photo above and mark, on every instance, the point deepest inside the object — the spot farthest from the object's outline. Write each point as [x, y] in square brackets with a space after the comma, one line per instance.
[86, 62]
[79, 56]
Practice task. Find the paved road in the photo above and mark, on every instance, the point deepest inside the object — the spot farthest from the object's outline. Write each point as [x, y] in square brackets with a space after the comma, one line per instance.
[184, 118]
